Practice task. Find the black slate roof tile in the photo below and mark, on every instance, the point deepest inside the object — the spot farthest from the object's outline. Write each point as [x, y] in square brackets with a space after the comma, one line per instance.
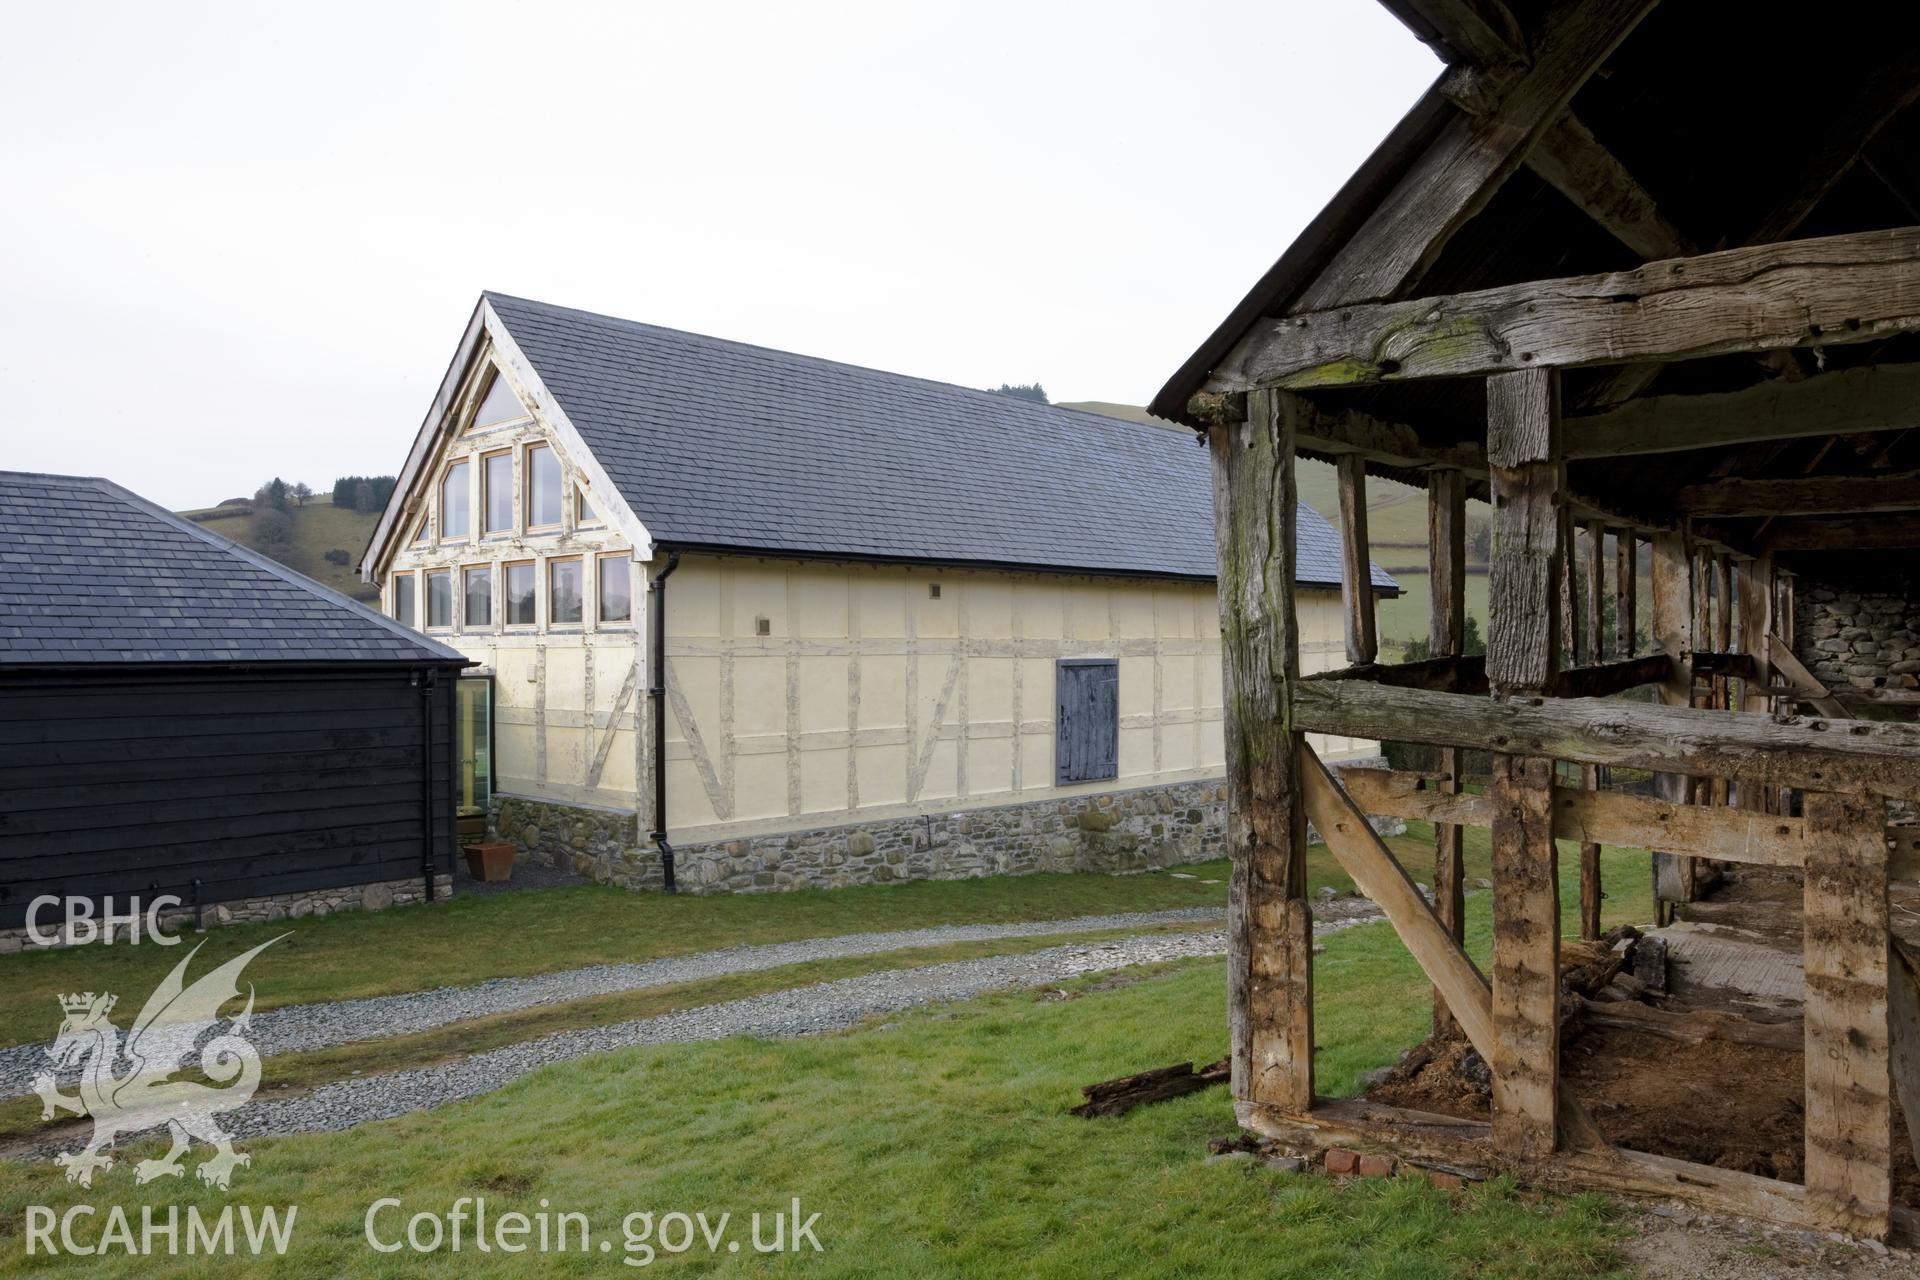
[106, 576]
[717, 443]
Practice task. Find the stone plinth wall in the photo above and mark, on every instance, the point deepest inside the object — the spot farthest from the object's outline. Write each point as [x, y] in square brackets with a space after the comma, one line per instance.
[377, 896]
[1862, 639]
[1143, 829]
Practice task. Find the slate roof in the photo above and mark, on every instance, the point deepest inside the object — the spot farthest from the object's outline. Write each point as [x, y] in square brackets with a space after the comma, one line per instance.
[91, 573]
[721, 444]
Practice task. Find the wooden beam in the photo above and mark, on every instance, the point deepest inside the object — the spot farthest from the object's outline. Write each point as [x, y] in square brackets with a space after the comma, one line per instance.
[1803, 496]
[1609, 678]
[1455, 1143]
[1336, 431]
[1446, 635]
[1802, 293]
[1481, 33]
[1876, 757]
[1449, 674]
[1615, 818]
[1807, 687]
[1844, 533]
[1356, 565]
[1867, 399]
[1849, 1118]
[1709, 663]
[1578, 166]
[1756, 623]
[1455, 176]
[1269, 921]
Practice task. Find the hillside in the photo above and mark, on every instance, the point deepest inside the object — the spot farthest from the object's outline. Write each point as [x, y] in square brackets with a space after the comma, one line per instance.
[318, 527]
[1396, 528]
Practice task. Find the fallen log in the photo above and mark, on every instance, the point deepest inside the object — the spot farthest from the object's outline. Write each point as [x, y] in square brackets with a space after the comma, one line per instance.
[1693, 1027]
[1117, 1097]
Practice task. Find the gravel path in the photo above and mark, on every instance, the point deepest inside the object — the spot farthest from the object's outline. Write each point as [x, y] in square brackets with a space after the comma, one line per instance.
[827, 1006]
[314, 1026]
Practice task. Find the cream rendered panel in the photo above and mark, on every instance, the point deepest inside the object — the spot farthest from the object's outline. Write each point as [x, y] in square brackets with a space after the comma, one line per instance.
[869, 696]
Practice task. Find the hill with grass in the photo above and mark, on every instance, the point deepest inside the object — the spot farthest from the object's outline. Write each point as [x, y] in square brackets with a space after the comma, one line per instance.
[1396, 530]
[318, 529]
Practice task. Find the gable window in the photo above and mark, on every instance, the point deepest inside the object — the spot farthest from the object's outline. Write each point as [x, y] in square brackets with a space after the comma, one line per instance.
[439, 599]
[477, 588]
[583, 512]
[456, 515]
[500, 405]
[519, 593]
[496, 492]
[404, 587]
[543, 487]
[1087, 729]
[563, 591]
[420, 533]
[616, 588]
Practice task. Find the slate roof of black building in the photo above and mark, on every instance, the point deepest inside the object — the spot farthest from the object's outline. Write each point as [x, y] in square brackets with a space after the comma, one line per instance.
[92, 573]
[724, 445]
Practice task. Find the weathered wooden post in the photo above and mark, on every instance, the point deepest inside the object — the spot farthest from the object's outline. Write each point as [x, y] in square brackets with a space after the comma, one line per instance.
[1590, 892]
[1269, 926]
[1447, 637]
[1356, 568]
[1673, 877]
[1523, 456]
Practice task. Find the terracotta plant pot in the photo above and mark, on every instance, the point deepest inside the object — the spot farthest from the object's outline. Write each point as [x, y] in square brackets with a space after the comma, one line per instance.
[490, 860]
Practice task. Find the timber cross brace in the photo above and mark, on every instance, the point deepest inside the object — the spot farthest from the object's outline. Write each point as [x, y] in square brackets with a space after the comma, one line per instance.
[1678, 439]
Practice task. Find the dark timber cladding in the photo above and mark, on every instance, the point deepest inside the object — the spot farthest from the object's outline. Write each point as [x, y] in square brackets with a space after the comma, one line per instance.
[1630, 311]
[179, 715]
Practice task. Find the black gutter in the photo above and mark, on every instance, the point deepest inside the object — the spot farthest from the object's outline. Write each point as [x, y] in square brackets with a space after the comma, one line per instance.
[657, 694]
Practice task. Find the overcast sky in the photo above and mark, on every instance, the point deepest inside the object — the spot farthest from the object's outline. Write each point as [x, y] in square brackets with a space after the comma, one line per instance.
[242, 240]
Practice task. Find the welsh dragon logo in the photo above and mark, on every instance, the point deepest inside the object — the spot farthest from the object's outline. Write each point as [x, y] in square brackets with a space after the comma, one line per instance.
[166, 1038]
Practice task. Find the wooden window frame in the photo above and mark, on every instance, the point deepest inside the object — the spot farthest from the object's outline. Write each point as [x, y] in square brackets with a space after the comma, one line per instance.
[599, 592]
[484, 459]
[585, 514]
[552, 563]
[527, 486]
[413, 576]
[506, 595]
[490, 375]
[426, 600]
[466, 572]
[446, 478]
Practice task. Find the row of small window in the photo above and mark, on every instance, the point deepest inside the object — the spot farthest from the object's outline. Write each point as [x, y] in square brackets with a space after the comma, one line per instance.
[543, 495]
[566, 593]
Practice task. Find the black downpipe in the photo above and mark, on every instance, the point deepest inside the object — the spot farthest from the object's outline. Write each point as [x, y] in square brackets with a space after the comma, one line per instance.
[657, 694]
[425, 680]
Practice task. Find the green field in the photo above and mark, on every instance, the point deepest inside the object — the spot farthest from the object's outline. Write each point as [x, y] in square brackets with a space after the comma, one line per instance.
[318, 527]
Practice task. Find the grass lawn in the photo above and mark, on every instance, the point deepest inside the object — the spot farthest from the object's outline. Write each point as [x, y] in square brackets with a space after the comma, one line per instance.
[936, 1144]
[318, 527]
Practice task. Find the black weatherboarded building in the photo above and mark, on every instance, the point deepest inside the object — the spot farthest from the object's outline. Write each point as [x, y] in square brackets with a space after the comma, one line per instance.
[181, 715]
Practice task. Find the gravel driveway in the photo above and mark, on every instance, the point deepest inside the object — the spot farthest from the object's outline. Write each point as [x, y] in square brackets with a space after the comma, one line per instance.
[315, 1026]
[826, 1006]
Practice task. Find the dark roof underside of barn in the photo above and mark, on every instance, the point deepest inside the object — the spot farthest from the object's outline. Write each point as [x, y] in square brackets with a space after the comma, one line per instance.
[1764, 123]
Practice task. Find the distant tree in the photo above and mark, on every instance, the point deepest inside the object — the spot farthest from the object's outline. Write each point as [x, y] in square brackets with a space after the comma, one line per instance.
[338, 555]
[1480, 539]
[301, 492]
[1421, 647]
[1022, 391]
[343, 490]
[273, 530]
[382, 491]
[363, 496]
[273, 494]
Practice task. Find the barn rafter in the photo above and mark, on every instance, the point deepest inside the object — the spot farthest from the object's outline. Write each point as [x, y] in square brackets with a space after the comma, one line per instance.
[1585, 284]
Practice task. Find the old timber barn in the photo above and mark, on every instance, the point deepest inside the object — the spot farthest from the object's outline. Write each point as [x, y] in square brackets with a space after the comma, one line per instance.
[1585, 279]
